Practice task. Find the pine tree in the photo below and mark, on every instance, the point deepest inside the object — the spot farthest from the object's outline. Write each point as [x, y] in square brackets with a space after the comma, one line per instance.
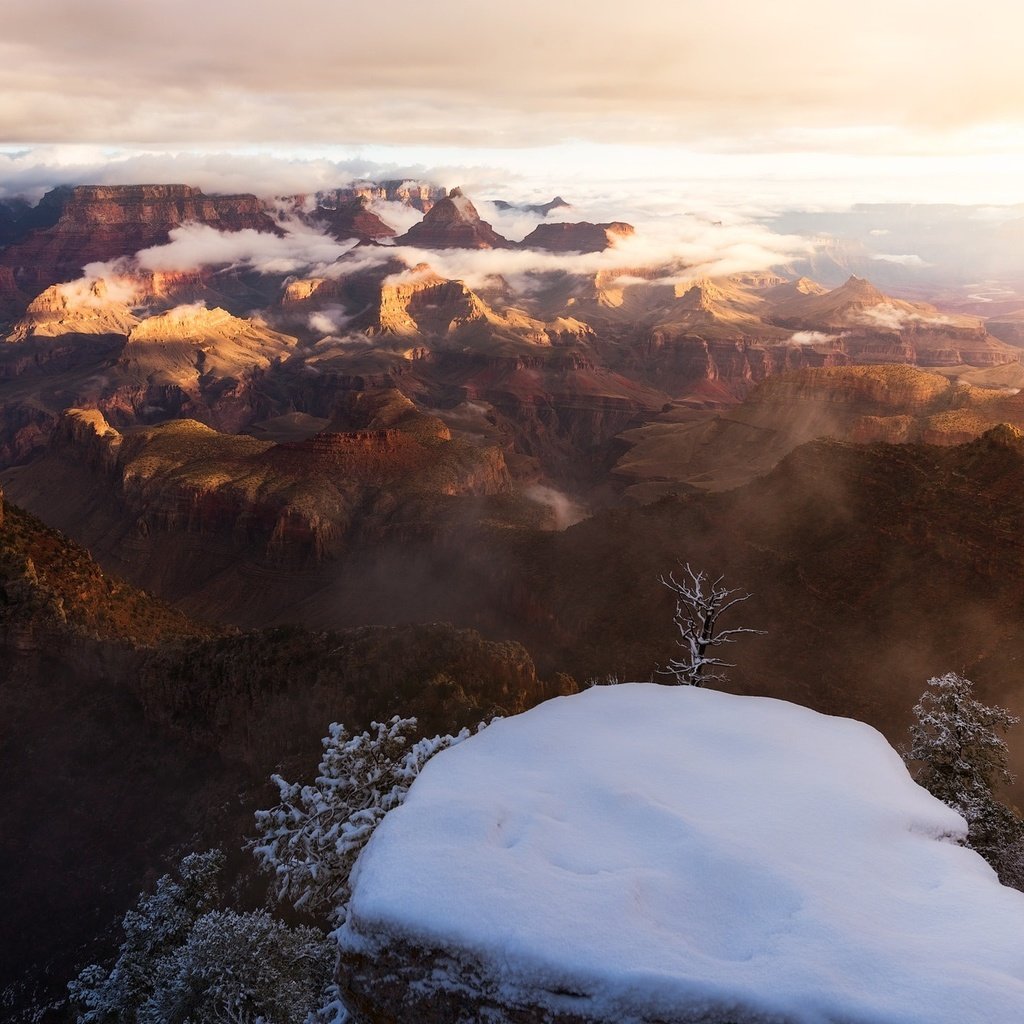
[311, 839]
[158, 924]
[959, 756]
[185, 962]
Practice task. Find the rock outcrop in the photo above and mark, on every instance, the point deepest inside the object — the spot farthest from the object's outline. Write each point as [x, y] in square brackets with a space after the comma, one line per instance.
[877, 328]
[650, 853]
[12, 299]
[419, 195]
[79, 307]
[351, 218]
[423, 305]
[293, 504]
[579, 237]
[558, 203]
[1009, 328]
[101, 222]
[453, 223]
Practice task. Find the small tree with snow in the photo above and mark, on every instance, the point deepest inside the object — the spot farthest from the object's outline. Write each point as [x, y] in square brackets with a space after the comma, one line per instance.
[700, 604]
[242, 968]
[311, 839]
[158, 924]
[958, 755]
[183, 961]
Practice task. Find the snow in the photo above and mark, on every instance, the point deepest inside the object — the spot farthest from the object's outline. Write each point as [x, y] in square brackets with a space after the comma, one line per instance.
[680, 851]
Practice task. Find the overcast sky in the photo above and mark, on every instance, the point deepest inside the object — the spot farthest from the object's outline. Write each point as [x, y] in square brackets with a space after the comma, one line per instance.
[895, 95]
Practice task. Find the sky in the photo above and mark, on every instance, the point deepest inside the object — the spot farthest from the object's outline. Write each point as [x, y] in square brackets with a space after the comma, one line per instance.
[793, 101]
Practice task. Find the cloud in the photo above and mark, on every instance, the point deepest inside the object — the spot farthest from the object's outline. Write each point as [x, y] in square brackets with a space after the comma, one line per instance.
[32, 171]
[891, 318]
[682, 245]
[328, 320]
[84, 293]
[193, 246]
[663, 71]
[910, 260]
[396, 215]
[564, 511]
[812, 338]
[184, 312]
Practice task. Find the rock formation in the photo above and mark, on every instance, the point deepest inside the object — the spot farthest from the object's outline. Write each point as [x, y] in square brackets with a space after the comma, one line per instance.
[351, 218]
[453, 223]
[895, 404]
[79, 307]
[1008, 327]
[12, 299]
[296, 503]
[580, 237]
[101, 222]
[423, 305]
[650, 853]
[558, 203]
[417, 194]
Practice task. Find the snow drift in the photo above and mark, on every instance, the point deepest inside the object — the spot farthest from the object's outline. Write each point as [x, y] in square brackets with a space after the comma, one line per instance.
[641, 851]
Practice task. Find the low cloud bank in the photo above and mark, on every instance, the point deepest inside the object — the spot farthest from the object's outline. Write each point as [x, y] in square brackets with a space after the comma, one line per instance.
[892, 318]
[683, 247]
[812, 338]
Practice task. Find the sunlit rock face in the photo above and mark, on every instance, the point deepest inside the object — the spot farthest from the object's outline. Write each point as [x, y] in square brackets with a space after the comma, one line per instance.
[453, 223]
[81, 307]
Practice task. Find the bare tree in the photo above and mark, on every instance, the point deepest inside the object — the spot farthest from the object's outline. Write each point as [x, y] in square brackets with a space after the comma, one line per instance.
[700, 603]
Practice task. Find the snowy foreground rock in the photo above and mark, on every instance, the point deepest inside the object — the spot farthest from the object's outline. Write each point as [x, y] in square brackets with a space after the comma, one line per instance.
[643, 853]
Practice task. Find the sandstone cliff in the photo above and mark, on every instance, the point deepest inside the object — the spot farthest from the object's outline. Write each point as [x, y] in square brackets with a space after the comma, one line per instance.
[417, 194]
[292, 504]
[422, 305]
[80, 307]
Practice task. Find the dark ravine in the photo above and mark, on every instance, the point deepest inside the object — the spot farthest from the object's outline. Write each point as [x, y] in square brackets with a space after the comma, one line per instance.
[143, 733]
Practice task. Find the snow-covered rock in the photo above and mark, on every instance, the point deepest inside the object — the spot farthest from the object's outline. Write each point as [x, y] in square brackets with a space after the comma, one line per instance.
[641, 853]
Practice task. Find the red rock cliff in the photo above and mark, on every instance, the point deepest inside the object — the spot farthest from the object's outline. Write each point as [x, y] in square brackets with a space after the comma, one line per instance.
[102, 222]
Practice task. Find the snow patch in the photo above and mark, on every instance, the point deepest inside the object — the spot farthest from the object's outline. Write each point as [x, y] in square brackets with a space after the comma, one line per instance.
[673, 849]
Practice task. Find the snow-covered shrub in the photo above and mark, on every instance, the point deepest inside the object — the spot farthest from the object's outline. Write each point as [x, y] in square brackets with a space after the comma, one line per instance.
[960, 757]
[241, 968]
[311, 839]
[159, 923]
[183, 962]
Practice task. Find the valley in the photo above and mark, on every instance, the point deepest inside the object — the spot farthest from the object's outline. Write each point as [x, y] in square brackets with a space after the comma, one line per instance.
[270, 463]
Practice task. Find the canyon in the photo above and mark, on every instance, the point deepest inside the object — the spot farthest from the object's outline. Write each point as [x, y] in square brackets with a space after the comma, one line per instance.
[349, 468]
